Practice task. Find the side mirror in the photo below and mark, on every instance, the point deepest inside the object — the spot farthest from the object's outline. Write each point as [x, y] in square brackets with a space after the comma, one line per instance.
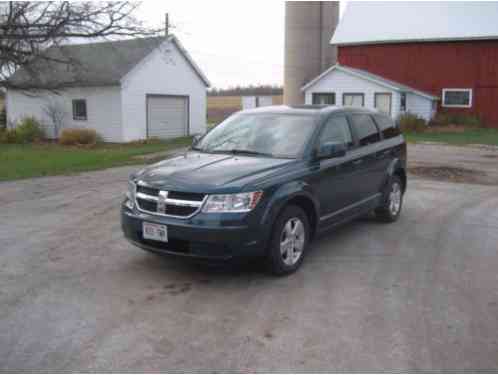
[331, 150]
[196, 138]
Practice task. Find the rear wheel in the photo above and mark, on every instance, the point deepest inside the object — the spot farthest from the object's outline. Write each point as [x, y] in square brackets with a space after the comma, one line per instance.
[289, 241]
[391, 207]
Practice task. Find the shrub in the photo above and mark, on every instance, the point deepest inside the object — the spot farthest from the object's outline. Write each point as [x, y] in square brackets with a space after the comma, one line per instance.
[3, 119]
[458, 119]
[28, 130]
[77, 136]
[409, 122]
[8, 136]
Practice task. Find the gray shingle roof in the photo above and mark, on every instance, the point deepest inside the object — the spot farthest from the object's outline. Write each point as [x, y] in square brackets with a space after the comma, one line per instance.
[94, 64]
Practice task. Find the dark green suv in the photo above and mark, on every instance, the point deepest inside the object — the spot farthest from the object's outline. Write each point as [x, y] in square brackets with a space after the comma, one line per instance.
[265, 182]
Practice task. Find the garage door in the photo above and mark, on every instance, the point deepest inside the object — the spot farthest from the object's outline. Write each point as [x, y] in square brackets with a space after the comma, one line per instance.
[167, 116]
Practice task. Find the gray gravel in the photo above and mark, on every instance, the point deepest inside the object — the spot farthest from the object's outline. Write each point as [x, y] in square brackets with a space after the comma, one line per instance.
[420, 294]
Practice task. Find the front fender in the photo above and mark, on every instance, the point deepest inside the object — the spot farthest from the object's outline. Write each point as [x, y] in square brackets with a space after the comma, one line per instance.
[279, 199]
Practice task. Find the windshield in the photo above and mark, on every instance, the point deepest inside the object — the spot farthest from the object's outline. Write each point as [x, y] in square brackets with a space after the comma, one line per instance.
[264, 134]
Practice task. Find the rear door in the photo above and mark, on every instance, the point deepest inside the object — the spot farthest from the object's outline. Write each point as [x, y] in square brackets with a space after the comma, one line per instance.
[167, 116]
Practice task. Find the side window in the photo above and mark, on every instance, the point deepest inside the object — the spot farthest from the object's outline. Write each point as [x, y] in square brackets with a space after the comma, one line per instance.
[365, 129]
[79, 109]
[386, 126]
[336, 130]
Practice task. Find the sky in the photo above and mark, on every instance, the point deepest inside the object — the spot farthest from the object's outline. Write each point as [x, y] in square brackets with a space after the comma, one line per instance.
[233, 42]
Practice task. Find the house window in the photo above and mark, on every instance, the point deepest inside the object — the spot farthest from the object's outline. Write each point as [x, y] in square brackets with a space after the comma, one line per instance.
[353, 99]
[382, 102]
[323, 98]
[79, 109]
[457, 98]
[402, 102]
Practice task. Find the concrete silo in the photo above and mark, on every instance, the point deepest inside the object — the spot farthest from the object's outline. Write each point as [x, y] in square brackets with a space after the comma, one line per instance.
[309, 26]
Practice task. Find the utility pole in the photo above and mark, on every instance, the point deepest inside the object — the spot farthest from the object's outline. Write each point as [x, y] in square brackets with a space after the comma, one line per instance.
[166, 25]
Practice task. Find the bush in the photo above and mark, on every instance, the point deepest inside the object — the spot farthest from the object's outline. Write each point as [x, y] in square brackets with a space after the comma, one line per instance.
[409, 122]
[8, 136]
[29, 130]
[448, 119]
[25, 131]
[75, 137]
[3, 119]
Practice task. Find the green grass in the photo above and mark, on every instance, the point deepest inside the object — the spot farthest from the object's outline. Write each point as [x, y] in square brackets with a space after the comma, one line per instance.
[33, 160]
[469, 136]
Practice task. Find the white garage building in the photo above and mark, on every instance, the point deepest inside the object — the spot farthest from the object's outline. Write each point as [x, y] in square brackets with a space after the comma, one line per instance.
[125, 90]
[342, 85]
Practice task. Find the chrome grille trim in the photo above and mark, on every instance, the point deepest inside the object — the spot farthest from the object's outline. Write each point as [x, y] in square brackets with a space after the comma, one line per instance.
[168, 201]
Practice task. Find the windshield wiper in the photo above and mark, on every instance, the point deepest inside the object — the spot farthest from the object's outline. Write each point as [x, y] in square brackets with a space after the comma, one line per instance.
[237, 151]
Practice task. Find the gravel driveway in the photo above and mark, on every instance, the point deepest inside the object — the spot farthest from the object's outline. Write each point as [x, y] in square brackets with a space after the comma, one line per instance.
[420, 294]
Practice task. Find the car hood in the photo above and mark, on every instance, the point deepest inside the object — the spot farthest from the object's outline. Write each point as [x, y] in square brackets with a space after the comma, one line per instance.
[203, 172]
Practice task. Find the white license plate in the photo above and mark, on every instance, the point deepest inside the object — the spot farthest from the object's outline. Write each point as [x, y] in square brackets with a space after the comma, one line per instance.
[156, 232]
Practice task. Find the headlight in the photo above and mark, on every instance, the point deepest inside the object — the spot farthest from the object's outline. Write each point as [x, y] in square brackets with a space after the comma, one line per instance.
[242, 202]
[130, 194]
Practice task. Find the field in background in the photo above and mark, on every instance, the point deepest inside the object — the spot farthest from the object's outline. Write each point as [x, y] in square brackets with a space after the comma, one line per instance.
[468, 136]
[220, 107]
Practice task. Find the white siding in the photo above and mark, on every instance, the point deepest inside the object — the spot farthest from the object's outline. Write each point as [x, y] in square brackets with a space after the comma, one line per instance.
[340, 83]
[419, 105]
[164, 72]
[103, 109]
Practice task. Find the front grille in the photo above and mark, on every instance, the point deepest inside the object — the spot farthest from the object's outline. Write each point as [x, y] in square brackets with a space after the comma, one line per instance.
[176, 203]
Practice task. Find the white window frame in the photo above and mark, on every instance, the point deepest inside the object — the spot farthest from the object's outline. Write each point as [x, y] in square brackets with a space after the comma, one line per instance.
[443, 104]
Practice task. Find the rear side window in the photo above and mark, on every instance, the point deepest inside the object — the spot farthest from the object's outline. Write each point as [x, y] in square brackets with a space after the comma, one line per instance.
[387, 127]
[365, 129]
[336, 130]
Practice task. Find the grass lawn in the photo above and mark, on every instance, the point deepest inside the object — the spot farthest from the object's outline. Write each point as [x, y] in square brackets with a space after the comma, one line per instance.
[469, 136]
[33, 160]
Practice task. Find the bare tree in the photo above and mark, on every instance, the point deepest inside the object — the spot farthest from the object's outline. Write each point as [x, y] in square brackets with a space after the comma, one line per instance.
[56, 114]
[27, 28]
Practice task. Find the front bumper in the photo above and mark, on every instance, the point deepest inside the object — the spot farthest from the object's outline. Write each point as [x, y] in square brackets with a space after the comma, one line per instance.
[203, 236]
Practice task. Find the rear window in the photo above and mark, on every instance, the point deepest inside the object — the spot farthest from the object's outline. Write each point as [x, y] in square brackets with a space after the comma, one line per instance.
[387, 127]
[365, 129]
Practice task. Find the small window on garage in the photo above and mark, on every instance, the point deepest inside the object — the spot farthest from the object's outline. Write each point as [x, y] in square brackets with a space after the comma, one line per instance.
[353, 99]
[79, 109]
[382, 102]
[327, 98]
[365, 129]
[457, 98]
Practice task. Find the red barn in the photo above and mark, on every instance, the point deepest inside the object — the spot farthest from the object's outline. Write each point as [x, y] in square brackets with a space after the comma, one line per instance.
[448, 50]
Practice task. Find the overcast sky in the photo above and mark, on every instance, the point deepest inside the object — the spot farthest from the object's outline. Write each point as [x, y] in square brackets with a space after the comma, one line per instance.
[234, 42]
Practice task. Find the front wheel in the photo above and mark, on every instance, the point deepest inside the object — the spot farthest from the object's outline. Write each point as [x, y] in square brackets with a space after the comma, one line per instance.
[289, 241]
[391, 208]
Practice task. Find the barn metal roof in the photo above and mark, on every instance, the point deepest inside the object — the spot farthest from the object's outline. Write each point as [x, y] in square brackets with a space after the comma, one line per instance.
[93, 64]
[400, 22]
[372, 78]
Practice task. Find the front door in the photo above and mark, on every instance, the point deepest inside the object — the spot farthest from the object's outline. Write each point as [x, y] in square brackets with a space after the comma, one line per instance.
[334, 180]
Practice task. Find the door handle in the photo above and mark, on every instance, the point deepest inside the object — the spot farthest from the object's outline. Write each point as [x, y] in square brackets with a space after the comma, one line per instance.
[357, 161]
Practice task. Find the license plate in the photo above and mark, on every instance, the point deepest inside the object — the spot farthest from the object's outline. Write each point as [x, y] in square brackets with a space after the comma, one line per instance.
[156, 232]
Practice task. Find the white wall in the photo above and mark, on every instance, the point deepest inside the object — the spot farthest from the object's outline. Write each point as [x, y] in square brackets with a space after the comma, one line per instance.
[165, 72]
[103, 109]
[420, 106]
[340, 82]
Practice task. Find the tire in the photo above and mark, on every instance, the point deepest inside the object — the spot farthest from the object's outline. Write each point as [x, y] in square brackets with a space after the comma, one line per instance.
[284, 259]
[390, 209]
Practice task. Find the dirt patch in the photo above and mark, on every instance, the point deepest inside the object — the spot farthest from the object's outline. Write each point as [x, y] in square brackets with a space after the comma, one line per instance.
[445, 173]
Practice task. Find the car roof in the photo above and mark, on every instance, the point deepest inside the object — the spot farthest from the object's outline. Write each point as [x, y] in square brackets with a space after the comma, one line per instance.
[307, 109]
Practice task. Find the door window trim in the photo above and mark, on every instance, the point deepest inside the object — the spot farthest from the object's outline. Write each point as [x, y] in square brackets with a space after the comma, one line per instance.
[354, 142]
